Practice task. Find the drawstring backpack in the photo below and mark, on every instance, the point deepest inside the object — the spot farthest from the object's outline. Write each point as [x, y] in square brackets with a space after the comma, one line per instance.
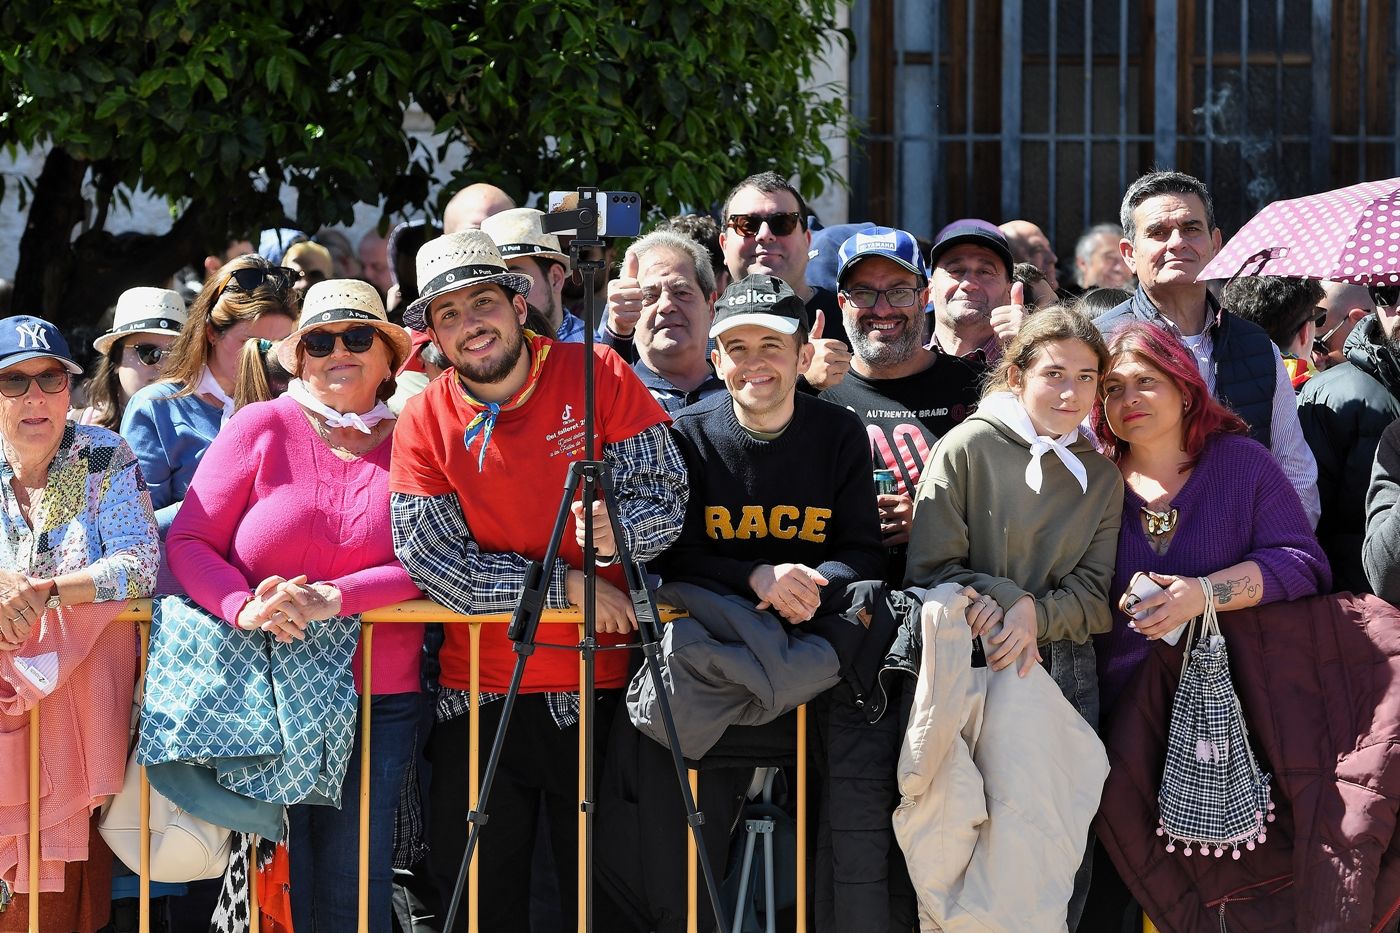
[1212, 793]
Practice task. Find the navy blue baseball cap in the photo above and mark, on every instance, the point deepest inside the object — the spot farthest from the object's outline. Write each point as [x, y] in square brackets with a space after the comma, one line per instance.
[885, 242]
[975, 232]
[24, 337]
[822, 258]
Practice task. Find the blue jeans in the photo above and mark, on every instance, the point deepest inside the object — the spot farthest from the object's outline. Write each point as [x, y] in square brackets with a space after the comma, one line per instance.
[325, 842]
[1075, 671]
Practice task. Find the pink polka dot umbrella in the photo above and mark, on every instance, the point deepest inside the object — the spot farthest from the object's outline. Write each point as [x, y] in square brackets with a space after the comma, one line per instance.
[1348, 235]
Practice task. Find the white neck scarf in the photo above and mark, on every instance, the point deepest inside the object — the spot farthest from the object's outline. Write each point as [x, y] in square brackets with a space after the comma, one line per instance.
[1007, 408]
[208, 385]
[336, 419]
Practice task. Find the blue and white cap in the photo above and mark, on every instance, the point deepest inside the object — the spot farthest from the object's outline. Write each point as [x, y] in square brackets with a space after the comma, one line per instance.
[898, 246]
[24, 337]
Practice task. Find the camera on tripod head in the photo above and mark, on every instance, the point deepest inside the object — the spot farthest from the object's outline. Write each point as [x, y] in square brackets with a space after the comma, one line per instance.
[619, 213]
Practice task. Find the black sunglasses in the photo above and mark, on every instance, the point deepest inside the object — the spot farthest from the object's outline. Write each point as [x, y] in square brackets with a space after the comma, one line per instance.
[51, 382]
[148, 353]
[319, 343]
[1388, 295]
[749, 224]
[250, 277]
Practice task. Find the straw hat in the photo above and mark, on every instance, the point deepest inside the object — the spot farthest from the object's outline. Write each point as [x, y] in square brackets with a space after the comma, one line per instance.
[455, 261]
[144, 310]
[336, 300]
[518, 232]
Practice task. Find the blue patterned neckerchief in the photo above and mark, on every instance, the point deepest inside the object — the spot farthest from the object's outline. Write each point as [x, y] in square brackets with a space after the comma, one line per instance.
[484, 421]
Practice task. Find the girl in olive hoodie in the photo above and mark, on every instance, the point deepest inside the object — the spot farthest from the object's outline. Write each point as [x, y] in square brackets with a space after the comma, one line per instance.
[1017, 504]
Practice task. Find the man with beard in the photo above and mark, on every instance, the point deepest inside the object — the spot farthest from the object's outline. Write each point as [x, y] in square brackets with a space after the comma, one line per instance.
[478, 458]
[971, 278]
[1344, 411]
[907, 395]
[527, 249]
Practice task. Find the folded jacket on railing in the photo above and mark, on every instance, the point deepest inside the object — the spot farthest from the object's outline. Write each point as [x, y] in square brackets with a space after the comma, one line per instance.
[273, 721]
[726, 664]
[80, 669]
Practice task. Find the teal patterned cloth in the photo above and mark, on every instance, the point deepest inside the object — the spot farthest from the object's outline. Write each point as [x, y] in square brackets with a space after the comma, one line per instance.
[274, 721]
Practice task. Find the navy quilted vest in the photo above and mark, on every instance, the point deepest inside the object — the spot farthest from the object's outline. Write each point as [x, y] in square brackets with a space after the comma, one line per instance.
[1243, 354]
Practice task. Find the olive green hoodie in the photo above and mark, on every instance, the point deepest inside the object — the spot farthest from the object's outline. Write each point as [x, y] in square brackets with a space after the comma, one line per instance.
[977, 523]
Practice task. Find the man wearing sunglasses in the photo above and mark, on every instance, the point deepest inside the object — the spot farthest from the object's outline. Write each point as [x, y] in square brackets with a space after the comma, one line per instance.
[1346, 306]
[1344, 411]
[765, 232]
[908, 395]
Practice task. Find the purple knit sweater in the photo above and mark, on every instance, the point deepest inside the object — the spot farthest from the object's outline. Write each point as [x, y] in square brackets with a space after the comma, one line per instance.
[1237, 505]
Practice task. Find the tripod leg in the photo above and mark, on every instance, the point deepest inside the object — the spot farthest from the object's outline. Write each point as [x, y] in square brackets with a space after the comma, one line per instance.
[649, 630]
[524, 626]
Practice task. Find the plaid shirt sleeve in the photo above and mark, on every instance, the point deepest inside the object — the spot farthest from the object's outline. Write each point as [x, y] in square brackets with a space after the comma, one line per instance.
[650, 480]
[433, 542]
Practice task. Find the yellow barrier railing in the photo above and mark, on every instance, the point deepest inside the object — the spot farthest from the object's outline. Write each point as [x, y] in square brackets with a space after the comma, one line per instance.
[414, 611]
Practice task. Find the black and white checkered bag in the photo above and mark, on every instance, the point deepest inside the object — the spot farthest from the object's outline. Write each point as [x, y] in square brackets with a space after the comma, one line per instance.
[1213, 795]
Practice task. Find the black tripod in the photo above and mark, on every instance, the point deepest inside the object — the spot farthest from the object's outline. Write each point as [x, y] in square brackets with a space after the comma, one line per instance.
[596, 477]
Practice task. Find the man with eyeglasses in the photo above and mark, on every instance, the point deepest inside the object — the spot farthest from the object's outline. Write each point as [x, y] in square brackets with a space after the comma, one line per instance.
[1344, 411]
[765, 232]
[1346, 306]
[908, 395]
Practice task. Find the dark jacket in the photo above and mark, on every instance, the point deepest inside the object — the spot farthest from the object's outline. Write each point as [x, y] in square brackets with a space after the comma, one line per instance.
[1319, 683]
[1343, 411]
[1245, 370]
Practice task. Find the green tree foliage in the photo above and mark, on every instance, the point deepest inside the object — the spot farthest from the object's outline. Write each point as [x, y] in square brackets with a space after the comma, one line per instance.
[217, 106]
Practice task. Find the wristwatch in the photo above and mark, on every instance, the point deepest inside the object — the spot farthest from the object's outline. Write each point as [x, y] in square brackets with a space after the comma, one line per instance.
[52, 602]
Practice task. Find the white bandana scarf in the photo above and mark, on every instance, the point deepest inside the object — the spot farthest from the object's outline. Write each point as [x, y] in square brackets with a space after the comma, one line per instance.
[1007, 408]
[335, 419]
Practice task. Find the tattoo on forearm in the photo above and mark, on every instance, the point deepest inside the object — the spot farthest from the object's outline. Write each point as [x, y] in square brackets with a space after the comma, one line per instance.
[1228, 590]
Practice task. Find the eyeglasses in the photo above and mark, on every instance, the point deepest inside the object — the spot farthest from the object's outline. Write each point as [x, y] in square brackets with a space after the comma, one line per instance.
[1388, 295]
[749, 224]
[250, 277]
[319, 343]
[148, 353]
[1321, 318]
[51, 382]
[901, 296]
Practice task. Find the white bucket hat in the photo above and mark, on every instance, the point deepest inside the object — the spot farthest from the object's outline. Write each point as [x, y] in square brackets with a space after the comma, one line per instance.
[337, 300]
[455, 261]
[518, 232]
[144, 310]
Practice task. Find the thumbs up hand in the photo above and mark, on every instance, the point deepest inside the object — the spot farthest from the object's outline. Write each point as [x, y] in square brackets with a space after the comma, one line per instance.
[625, 298]
[1007, 319]
[831, 359]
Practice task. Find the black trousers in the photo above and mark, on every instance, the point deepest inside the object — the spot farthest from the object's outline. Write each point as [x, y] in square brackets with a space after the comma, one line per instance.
[538, 778]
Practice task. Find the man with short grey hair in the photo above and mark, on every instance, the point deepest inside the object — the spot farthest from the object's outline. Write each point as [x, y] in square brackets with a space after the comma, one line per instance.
[1169, 235]
[675, 299]
[1097, 263]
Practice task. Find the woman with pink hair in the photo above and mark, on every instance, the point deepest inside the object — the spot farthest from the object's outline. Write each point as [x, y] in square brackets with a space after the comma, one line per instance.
[1200, 500]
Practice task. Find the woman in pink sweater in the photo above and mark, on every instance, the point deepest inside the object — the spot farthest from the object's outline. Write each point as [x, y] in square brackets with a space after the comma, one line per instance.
[285, 526]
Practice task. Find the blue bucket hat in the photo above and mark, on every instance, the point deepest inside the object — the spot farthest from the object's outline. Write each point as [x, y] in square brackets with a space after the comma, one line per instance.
[24, 337]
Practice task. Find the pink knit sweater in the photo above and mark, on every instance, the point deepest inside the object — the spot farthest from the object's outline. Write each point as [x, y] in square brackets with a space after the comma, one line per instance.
[270, 497]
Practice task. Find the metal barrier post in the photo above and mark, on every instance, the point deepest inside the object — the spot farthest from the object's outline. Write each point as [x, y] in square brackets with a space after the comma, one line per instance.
[582, 867]
[366, 704]
[474, 764]
[692, 865]
[144, 875]
[802, 819]
[34, 818]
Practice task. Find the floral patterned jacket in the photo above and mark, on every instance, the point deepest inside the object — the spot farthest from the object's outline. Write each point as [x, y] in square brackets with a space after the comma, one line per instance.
[95, 514]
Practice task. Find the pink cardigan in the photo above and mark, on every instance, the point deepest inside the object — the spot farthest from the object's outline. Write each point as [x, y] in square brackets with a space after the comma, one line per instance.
[270, 497]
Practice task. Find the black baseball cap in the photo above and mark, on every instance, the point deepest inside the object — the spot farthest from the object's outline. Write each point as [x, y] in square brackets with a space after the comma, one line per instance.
[975, 232]
[765, 300]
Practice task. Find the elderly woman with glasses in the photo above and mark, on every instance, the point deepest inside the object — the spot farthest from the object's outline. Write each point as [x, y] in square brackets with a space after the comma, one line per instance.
[285, 534]
[169, 424]
[77, 539]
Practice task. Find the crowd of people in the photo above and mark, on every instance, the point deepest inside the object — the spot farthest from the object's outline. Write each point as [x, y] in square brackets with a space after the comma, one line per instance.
[1004, 452]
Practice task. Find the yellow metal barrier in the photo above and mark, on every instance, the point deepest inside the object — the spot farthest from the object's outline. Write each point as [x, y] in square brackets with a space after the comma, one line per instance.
[415, 611]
